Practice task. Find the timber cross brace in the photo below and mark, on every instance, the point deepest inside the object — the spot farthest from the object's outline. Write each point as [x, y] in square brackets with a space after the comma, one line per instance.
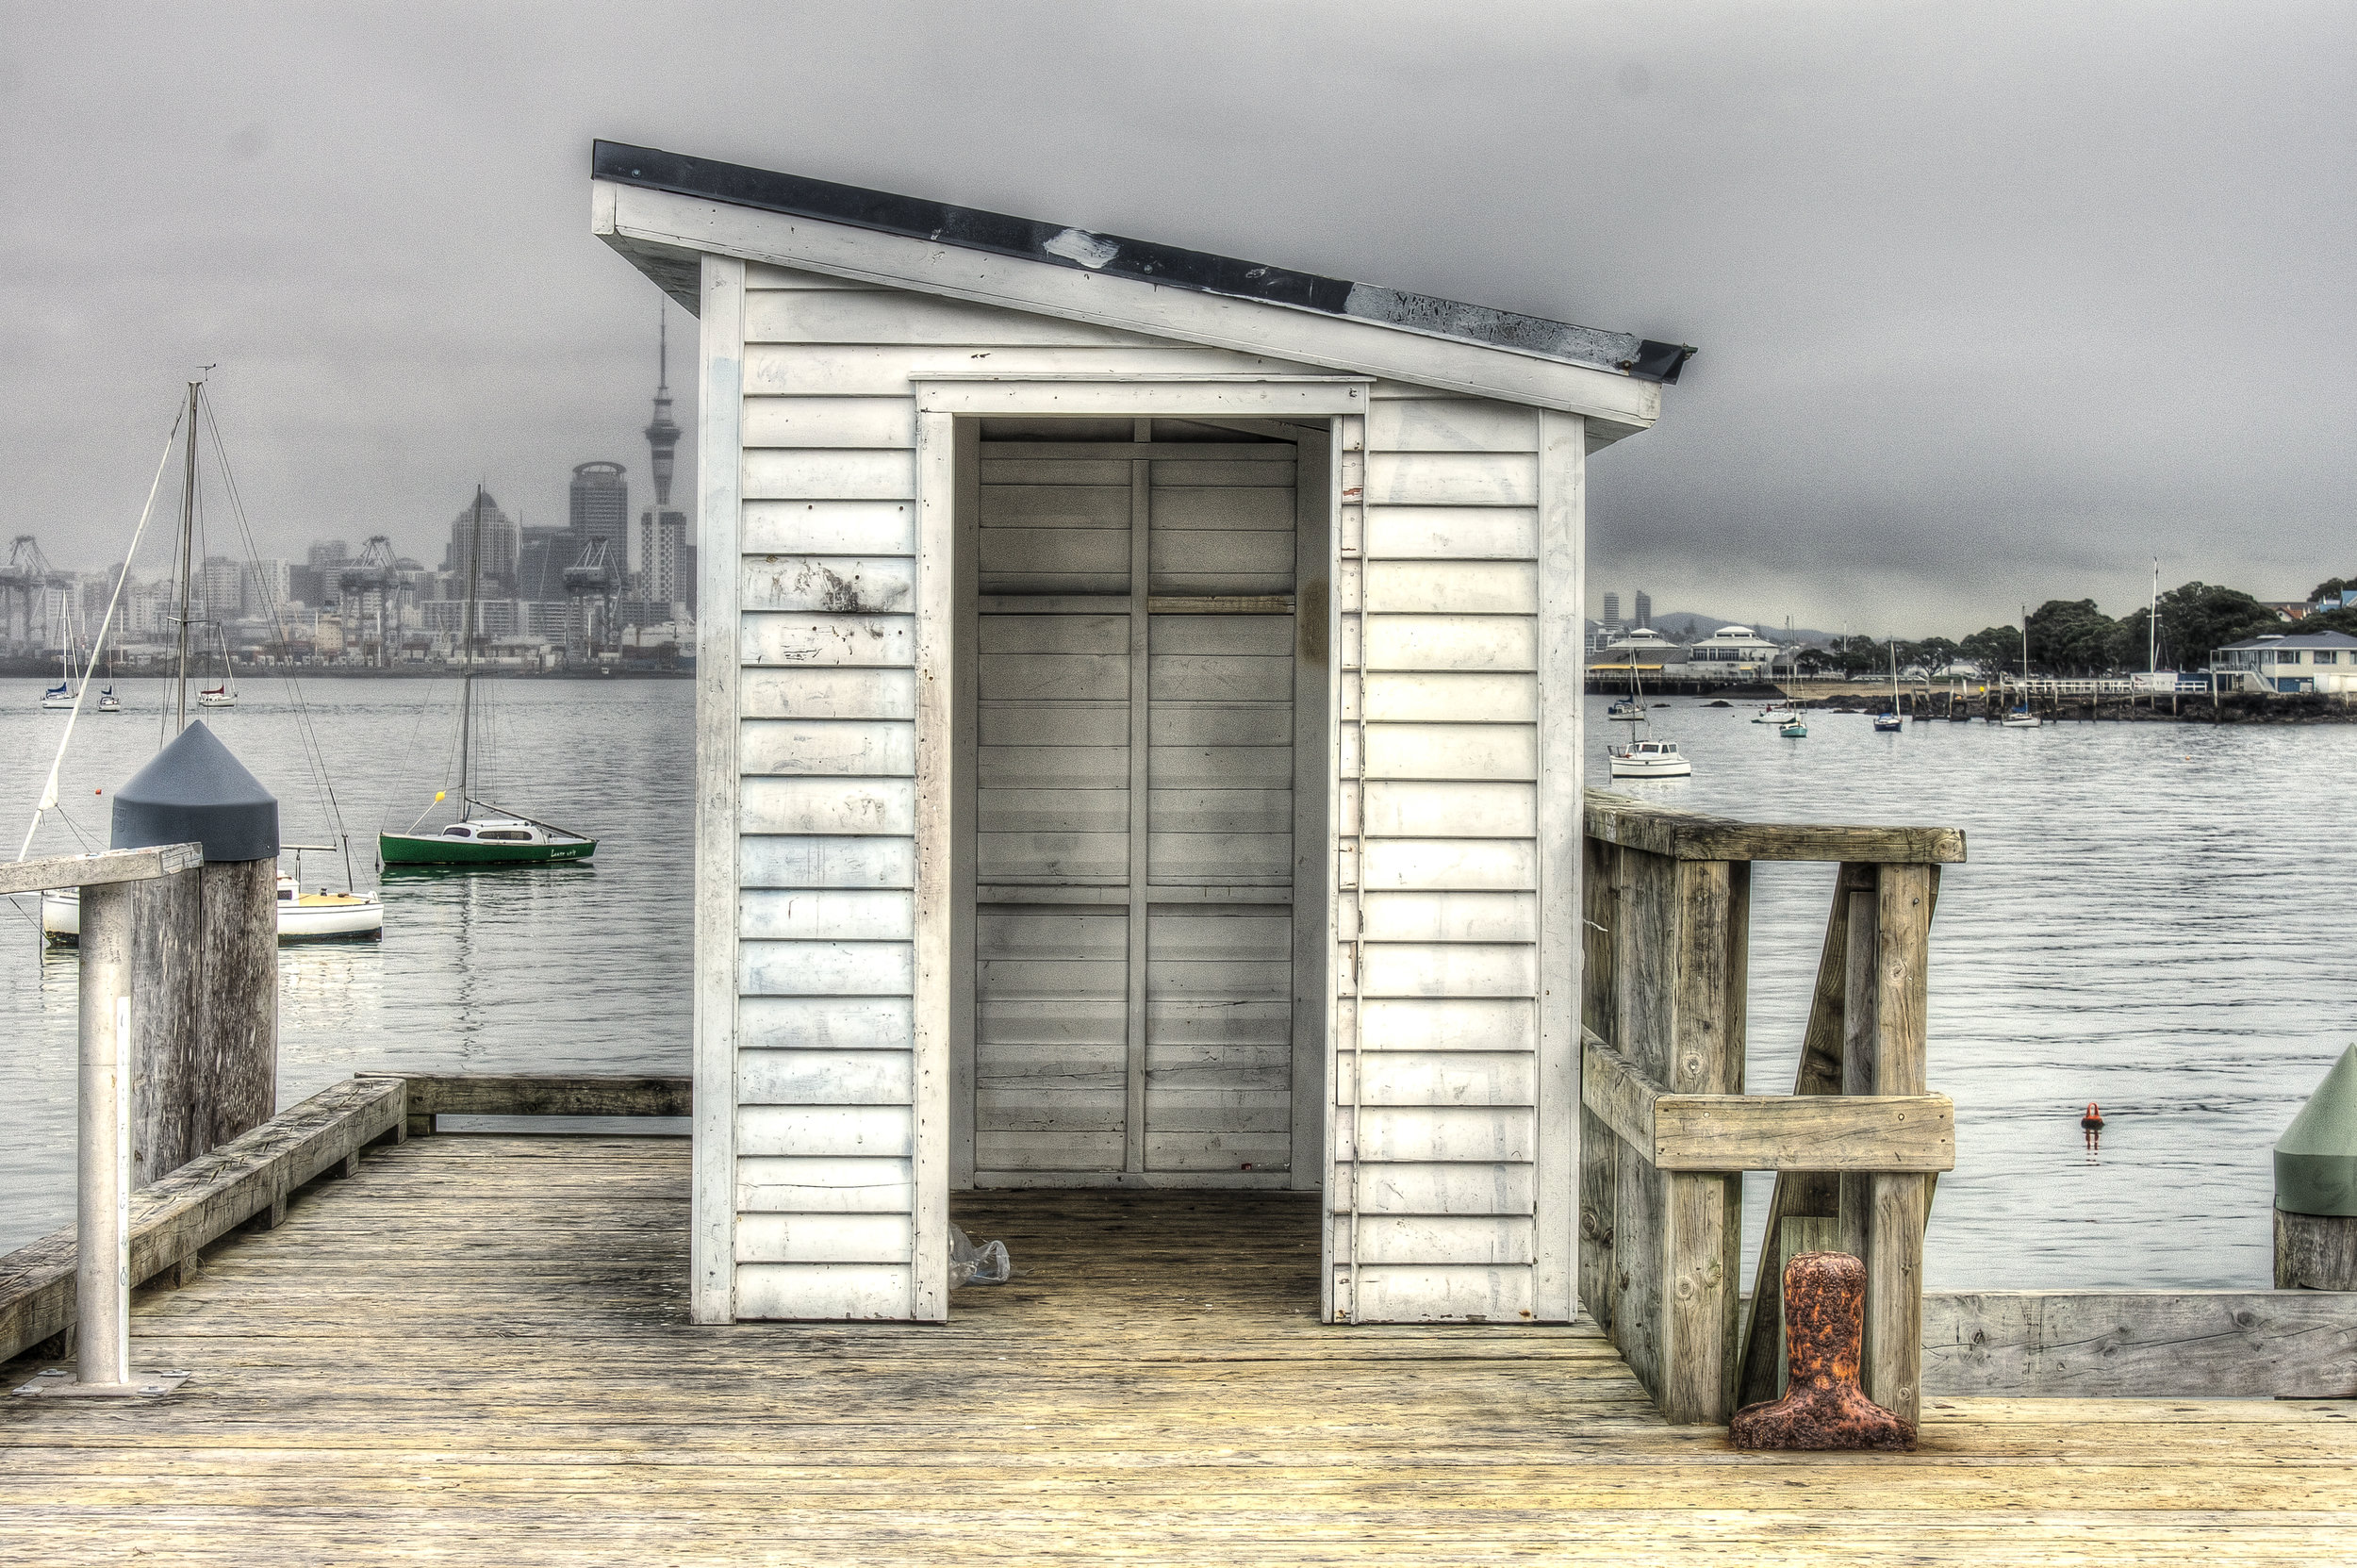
[1666, 1131]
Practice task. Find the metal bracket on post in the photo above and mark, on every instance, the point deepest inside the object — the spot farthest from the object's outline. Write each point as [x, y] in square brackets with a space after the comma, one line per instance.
[102, 1275]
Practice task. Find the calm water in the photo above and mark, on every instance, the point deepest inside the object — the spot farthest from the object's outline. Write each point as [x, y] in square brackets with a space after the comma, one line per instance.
[2154, 916]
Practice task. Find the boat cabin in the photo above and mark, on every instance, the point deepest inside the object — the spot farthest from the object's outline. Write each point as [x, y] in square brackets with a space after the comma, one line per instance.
[1138, 740]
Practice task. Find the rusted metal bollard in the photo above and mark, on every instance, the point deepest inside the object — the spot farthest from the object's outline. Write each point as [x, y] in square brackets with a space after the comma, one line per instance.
[1824, 1407]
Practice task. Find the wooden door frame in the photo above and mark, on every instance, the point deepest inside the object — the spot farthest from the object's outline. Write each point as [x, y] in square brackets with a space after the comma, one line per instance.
[949, 413]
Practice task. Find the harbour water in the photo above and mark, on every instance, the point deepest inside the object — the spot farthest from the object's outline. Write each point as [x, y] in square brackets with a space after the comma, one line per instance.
[2154, 916]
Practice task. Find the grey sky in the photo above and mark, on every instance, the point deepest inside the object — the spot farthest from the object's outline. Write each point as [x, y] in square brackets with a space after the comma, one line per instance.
[1994, 302]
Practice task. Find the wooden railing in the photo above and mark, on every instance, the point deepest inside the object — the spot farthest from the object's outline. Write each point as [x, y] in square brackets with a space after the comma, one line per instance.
[1666, 1129]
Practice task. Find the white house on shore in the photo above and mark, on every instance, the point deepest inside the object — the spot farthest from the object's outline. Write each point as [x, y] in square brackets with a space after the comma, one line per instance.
[2287, 662]
[1138, 715]
[1734, 652]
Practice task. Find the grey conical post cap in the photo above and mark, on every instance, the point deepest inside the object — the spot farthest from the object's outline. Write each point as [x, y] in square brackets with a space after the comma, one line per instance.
[194, 790]
[2316, 1159]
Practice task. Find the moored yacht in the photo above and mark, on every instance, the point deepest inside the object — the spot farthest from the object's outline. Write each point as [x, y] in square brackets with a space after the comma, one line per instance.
[1649, 759]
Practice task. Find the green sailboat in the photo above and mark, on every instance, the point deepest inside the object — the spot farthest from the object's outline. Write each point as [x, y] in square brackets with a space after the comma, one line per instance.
[497, 836]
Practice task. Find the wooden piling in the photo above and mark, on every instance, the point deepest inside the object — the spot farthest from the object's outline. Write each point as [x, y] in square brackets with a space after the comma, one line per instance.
[205, 955]
[2316, 1252]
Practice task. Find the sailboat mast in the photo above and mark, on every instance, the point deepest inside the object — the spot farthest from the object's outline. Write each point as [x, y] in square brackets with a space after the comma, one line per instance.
[187, 544]
[465, 679]
[2153, 624]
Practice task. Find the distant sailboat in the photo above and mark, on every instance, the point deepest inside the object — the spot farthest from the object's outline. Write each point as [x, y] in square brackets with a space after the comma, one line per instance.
[1892, 721]
[500, 838]
[225, 694]
[62, 697]
[2021, 718]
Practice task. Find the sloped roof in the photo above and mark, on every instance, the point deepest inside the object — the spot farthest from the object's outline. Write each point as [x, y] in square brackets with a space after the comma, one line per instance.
[1067, 250]
[2296, 639]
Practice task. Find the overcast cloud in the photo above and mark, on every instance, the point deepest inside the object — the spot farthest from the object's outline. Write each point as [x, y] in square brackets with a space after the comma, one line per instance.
[1994, 302]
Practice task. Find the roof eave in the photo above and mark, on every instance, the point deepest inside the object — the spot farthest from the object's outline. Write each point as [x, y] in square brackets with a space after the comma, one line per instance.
[663, 233]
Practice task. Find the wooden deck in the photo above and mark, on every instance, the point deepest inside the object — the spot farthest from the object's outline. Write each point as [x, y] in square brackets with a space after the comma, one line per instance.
[474, 1352]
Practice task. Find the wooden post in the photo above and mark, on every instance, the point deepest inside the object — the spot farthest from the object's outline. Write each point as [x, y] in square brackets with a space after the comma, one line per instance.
[233, 1077]
[1858, 1046]
[1599, 1160]
[2316, 1252]
[1900, 1203]
[2315, 1187]
[1703, 1226]
[208, 1040]
[166, 955]
[206, 964]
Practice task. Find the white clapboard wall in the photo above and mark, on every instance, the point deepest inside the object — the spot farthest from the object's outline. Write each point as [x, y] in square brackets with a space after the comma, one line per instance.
[825, 1121]
[1433, 1162]
[1436, 1148]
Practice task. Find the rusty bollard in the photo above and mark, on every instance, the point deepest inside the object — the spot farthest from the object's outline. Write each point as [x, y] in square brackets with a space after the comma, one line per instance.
[1824, 1407]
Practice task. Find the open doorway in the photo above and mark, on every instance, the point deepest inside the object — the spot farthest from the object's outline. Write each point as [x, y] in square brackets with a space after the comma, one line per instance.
[1144, 798]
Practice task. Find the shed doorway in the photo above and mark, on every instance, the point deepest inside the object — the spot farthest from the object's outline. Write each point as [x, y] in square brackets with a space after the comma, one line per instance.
[1145, 731]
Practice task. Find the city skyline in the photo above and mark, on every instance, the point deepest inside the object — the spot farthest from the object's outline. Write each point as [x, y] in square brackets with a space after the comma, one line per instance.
[1984, 302]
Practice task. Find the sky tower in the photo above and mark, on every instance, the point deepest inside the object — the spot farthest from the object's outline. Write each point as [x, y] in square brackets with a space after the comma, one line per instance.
[665, 578]
[662, 434]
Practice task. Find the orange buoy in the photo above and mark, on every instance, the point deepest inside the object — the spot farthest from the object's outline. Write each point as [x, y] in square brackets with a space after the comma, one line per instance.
[2093, 1120]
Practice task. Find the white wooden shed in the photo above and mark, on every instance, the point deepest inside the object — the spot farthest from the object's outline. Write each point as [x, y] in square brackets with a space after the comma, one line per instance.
[1138, 713]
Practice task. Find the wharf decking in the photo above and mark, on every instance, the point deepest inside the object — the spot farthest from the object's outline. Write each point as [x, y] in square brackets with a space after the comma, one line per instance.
[475, 1350]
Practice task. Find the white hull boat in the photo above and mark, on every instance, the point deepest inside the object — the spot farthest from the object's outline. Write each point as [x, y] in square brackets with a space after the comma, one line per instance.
[2020, 718]
[1774, 714]
[1649, 759]
[321, 916]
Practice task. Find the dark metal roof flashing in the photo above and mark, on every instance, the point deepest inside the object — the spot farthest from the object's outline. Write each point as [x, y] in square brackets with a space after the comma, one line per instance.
[1029, 240]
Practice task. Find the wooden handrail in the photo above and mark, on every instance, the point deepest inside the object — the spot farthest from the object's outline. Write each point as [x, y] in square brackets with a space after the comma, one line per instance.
[1667, 1126]
[1696, 835]
[1741, 1132]
[99, 871]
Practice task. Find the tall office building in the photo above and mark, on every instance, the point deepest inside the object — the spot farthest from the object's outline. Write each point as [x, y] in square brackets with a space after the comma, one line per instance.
[1644, 608]
[600, 510]
[500, 542]
[669, 575]
[666, 569]
[268, 586]
[1612, 612]
[327, 554]
[541, 560]
[222, 589]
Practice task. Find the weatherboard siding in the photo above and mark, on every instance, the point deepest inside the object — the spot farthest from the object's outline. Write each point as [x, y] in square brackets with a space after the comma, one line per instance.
[1436, 1178]
[825, 1130]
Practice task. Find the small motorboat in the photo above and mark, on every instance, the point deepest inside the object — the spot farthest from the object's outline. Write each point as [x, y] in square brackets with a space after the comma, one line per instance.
[2020, 718]
[1793, 731]
[1649, 759]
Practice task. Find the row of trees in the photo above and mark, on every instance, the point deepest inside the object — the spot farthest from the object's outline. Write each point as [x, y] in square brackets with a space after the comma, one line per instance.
[2071, 637]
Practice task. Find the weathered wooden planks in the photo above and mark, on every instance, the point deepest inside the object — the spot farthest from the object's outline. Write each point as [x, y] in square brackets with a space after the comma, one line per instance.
[2170, 1345]
[547, 1095]
[112, 866]
[1737, 1133]
[1694, 835]
[203, 1200]
[477, 1351]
